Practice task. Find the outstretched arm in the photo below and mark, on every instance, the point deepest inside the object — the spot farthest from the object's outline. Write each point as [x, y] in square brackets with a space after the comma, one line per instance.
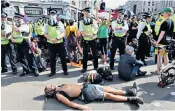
[66, 101]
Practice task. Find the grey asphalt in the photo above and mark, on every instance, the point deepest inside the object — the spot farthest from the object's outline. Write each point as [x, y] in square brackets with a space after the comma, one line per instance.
[26, 93]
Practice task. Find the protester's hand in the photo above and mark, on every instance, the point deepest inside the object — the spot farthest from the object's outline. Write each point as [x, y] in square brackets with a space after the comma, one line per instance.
[91, 35]
[133, 27]
[157, 44]
[86, 108]
[13, 40]
[118, 28]
[15, 28]
[54, 40]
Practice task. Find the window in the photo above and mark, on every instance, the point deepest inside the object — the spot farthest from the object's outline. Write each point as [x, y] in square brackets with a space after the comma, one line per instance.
[148, 3]
[143, 10]
[152, 3]
[148, 9]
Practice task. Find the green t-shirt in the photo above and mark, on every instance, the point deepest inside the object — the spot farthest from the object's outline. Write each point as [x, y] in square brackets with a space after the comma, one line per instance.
[103, 31]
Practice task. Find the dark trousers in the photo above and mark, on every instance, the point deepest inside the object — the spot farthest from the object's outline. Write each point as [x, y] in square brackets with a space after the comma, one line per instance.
[55, 49]
[143, 47]
[42, 43]
[132, 75]
[8, 50]
[117, 43]
[103, 45]
[26, 57]
[148, 47]
[93, 45]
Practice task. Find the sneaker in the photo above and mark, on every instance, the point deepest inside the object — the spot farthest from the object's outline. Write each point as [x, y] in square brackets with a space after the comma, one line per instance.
[83, 70]
[141, 73]
[132, 91]
[135, 100]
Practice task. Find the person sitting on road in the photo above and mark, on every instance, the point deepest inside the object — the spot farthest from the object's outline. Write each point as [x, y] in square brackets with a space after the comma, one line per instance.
[129, 67]
[90, 92]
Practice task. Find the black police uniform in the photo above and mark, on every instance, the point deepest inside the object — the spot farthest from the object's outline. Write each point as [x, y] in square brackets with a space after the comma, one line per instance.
[25, 56]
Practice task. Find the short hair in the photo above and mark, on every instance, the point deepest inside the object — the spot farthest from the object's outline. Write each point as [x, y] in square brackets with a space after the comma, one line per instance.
[129, 49]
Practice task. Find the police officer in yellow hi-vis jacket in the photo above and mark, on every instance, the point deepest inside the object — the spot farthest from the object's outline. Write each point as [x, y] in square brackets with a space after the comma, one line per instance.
[39, 30]
[21, 37]
[88, 28]
[144, 31]
[6, 48]
[54, 32]
[120, 28]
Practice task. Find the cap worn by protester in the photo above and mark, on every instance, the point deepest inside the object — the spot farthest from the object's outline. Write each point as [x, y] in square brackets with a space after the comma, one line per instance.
[3, 15]
[52, 11]
[86, 10]
[19, 15]
[167, 10]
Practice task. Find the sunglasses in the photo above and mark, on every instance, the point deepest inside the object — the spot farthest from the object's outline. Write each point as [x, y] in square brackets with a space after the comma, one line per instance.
[104, 19]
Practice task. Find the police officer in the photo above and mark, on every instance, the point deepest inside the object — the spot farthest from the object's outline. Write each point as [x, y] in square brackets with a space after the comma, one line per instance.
[21, 37]
[6, 46]
[88, 28]
[39, 30]
[144, 30]
[54, 32]
[120, 28]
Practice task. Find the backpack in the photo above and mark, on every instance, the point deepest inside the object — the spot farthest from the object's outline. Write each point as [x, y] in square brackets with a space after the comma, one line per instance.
[72, 40]
[106, 73]
[93, 77]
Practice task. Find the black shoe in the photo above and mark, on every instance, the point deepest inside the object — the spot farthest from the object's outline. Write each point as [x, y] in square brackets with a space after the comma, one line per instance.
[141, 73]
[135, 100]
[23, 74]
[83, 70]
[36, 74]
[15, 72]
[132, 91]
[3, 71]
[95, 68]
[112, 68]
[51, 74]
[41, 69]
[66, 73]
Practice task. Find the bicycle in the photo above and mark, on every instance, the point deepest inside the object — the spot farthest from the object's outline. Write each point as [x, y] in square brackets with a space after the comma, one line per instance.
[167, 74]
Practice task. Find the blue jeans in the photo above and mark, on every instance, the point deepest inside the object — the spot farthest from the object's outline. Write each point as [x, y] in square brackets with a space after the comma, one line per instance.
[134, 71]
[132, 74]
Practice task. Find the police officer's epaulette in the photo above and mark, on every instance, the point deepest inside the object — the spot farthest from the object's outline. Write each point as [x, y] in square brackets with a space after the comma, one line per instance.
[120, 22]
[142, 20]
[160, 20]
[91, 22]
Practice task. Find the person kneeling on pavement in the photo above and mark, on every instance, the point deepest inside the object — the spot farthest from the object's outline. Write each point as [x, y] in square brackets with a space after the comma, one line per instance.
[129, 67]
[90, 92]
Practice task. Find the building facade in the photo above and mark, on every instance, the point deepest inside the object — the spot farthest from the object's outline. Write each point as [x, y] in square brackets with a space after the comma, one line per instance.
[151, 6]
[36, 8]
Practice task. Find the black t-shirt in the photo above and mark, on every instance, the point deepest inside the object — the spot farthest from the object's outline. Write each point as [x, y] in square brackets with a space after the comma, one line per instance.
[168, 27]
[133, 32]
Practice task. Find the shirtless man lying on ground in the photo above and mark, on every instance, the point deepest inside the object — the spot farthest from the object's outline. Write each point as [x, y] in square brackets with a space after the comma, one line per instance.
[90, 92]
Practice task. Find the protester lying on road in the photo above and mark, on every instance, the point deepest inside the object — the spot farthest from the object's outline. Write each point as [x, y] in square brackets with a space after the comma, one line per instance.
[90, 92]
